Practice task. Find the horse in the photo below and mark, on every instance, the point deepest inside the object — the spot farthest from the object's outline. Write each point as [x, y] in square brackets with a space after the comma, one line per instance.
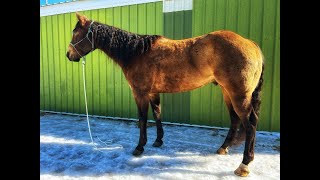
[154, 64]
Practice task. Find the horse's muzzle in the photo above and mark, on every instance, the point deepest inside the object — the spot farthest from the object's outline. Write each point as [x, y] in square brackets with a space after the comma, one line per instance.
[71, 58]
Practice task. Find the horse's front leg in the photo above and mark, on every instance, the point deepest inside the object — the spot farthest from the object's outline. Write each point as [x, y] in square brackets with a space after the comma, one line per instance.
[156, 109]
[142, 102]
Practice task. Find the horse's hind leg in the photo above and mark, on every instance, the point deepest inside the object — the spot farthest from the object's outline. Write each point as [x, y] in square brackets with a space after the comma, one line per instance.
[156, 110]
[243, 107]
[235, 121]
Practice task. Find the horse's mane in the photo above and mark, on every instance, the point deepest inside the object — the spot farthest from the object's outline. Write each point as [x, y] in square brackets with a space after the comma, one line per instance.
[122, 45]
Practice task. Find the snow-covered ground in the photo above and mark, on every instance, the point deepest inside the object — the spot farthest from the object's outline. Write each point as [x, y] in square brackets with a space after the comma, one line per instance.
[66, 152]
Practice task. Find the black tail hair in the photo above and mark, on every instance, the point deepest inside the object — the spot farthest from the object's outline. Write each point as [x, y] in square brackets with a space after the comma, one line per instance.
[256, 95]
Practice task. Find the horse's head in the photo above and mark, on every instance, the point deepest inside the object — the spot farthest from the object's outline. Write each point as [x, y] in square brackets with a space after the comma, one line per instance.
[81, 43]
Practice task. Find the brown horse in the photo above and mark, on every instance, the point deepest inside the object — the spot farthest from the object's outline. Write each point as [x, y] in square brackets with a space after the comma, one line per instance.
[154, 64]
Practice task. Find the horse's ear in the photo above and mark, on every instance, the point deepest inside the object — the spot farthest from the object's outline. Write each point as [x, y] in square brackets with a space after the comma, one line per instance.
[82, 18]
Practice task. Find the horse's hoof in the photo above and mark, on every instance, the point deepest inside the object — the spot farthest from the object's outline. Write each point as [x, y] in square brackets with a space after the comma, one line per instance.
[242, 170]
[137, 152]
[222, 151]
[157, 143]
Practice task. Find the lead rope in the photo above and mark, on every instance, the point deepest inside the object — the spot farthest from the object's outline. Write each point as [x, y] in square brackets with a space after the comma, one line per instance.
[86, 103]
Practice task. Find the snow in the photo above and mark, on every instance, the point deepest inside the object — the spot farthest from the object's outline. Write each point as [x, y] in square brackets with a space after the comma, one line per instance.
[66, 152]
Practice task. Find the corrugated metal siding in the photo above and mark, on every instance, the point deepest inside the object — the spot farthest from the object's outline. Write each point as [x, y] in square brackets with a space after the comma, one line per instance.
[256, 20]
[108, 91]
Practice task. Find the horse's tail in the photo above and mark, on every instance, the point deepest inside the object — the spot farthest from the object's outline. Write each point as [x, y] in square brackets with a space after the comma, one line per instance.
[256, 95]
[255, 102]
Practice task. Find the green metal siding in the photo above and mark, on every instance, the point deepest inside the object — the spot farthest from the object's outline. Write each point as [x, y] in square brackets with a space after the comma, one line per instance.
[108, 91]
[256, 20]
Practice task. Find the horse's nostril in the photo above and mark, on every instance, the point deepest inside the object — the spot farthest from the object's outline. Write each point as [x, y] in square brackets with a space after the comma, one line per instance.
[67, 54]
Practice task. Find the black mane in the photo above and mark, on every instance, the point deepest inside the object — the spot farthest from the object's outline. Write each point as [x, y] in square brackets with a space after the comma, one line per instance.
[119, 44]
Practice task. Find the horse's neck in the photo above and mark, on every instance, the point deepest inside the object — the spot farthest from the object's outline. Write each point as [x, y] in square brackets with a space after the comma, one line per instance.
[121, 45]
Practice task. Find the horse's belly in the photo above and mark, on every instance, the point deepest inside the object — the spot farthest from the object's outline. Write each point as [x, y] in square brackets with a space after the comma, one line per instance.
[180, 83]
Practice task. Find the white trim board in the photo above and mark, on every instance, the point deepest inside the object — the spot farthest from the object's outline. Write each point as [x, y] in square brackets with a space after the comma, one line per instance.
[176, 5]
[87, 5]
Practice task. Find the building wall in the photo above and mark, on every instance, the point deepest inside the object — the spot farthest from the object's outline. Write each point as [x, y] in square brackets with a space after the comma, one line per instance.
[108, 91]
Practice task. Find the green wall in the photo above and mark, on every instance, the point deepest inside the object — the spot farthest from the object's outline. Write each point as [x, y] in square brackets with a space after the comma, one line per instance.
[108, 91]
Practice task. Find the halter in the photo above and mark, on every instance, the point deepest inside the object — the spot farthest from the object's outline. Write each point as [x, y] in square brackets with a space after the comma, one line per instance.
[87, 37]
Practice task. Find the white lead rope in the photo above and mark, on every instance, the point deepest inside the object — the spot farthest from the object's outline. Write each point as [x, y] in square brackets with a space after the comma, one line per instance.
[86, 103]
[85, 96]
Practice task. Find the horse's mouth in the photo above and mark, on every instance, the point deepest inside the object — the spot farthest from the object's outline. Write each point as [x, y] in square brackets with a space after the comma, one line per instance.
[75, 60]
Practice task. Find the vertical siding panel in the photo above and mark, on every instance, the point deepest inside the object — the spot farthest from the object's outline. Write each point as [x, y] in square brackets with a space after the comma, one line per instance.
[243, 18]
[133, 19]
[125, 87]
[118, 72]
[110, 72]
[232, 15]
[275, 115]
[45, 64]
[51, 63]
[102, 71]
[41, 66]
[187, 25]
[159, 18]
[151, 18]
[220, 15]
[95, 73]
[63, 45]
[142, 19]
[208, 15]
[68, 36]
[56, 62]
[178, 25]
